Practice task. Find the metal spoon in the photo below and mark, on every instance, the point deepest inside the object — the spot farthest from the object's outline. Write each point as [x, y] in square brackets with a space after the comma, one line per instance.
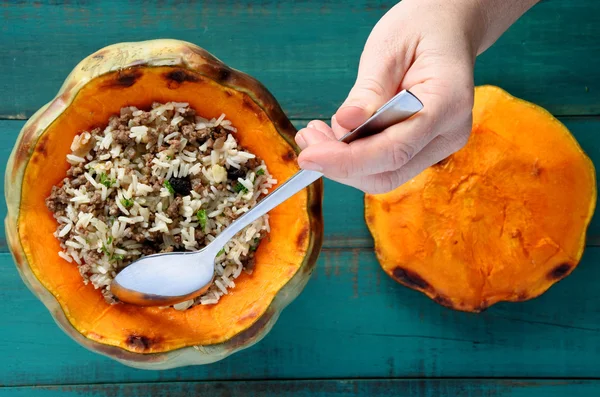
[170, 278]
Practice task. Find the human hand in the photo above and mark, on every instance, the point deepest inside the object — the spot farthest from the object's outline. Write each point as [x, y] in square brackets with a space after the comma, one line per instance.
[429, 47]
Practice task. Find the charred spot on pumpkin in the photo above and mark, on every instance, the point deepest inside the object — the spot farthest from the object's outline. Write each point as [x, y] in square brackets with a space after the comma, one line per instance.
[522, 297]
[409, 278]
[248, 103]
[288, 156]
[228, 93]
[125, 78]
[301, 239]
[42, 145]
[139, 342]
[179, 76]
[559, 271]
[442, 300]
[224, 74]
[315, 208]
[255, 329]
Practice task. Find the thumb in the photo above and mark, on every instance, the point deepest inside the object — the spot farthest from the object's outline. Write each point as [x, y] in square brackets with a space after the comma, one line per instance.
[378, 79]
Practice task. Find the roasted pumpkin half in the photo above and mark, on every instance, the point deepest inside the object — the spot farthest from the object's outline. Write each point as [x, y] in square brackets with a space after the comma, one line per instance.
[500, 220]
[138, 74]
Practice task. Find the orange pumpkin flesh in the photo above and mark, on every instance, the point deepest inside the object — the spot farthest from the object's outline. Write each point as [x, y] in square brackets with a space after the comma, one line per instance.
[211, 88]
[501, 220]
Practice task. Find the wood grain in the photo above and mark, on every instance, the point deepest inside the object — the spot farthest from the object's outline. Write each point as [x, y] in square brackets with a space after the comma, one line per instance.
[350, 321]
[326, 388]
[306, 52]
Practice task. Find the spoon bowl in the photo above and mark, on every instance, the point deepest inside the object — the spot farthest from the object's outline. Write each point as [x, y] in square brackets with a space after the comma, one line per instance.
[170, 278]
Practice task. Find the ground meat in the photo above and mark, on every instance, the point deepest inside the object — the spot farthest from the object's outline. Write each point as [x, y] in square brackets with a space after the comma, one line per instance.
[91, 257]
[187, 112]
[121, 136]
[173, 210]
[197, 186]
[113, 209]
[80, 180]
[58, 199]
[249, 264]
[75, 171]
[253, 163]
[96, 199]
[219, 132]
[130, 152]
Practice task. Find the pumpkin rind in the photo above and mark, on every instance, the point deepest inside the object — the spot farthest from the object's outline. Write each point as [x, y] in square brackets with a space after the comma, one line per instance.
[138, 74]
[500, 220]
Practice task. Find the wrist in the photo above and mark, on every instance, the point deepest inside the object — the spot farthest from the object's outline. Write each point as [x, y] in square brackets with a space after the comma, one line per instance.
[496, 16]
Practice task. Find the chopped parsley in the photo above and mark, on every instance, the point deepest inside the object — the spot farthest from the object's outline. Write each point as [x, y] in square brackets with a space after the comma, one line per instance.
[202, 218]
[169, 187]
[111, 256]
[239, 187]
[127, 203]
[221, 252]
[105, 180]
[254, 246]
[109, 240]
[260, 172]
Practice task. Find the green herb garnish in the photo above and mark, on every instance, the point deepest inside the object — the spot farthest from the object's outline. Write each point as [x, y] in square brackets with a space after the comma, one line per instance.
[109, 240]
[254, 246]
[169, 187]
[239, 187]
[260, 172]
[169, 157]
[105, 180]
[221, 252]
[127, 203]
[117, 257]
[202, 218]
[105, 250]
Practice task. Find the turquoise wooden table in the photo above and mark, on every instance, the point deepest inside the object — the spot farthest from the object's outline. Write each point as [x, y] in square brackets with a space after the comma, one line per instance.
[353, 331]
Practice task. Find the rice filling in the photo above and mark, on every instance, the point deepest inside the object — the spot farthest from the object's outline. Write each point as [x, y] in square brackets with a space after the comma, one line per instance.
[155, 181]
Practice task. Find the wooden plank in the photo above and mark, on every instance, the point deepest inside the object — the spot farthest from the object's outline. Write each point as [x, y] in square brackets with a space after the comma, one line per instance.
[305, 52]
[343, 206]
[323, 388]
[350, 321]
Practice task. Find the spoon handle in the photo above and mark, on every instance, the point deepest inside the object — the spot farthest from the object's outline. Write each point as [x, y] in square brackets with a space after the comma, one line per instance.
[397, 109]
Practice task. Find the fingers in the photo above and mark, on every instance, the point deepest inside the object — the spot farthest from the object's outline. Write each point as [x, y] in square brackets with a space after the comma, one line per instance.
[447, 107]
[386, 151]
[338, 130]
[378, 79]
[316, 131]
[437, 150]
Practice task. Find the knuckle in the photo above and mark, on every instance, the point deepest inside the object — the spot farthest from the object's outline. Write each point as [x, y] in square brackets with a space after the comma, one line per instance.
[372, 85]
[400, 153]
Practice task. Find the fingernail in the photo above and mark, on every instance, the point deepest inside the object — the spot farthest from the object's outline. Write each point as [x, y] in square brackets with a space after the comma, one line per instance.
[309, 165]
[301, 142]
